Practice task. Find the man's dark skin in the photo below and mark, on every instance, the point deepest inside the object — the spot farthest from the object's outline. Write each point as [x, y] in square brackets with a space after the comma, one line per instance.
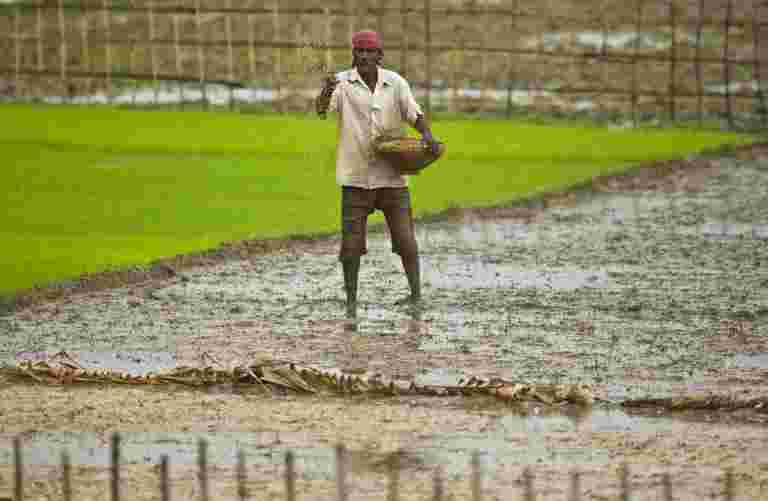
[367, 62]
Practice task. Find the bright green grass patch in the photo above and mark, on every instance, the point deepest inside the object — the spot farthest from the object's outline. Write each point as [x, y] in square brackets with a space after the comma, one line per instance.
[89, 189]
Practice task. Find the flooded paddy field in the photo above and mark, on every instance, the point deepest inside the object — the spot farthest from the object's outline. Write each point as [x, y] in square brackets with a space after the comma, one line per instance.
[653, 285]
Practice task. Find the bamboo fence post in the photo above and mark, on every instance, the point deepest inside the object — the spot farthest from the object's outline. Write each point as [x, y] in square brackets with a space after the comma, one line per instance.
[276, 66]
[17, 48]
[152, 51]
[341, 472]
[575, 486]
[636, 49]
[251, 48]
[177, 58]
[673, 60]
[404, 37]
[200, 55]
[63, 52]
[165, 487]
[107, 50]
[230, 54]
[290, 480]
[726, 65]
[202, 468]
[756, 54]
[477, 486]
[328, 40]
[66, 477]
[242, 491]
[393, 487]
[697, 64]
[428, 48]
[39, 27]
[115, 468]
[18, 468]
[666, 486]
[86, 49]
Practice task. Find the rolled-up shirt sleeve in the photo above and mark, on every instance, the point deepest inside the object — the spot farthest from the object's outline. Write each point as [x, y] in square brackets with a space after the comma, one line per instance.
[335, 104]
[409, 108]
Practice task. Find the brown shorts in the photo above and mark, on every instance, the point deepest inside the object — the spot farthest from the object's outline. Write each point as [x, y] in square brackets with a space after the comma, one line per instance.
[358, 203]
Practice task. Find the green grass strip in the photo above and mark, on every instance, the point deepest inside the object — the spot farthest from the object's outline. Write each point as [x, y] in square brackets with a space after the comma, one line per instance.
[88, 189]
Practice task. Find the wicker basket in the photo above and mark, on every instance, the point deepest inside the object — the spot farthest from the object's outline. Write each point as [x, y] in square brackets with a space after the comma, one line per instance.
[409, 155]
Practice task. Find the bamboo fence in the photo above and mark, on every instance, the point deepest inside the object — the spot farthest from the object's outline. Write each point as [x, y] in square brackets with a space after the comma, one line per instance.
[693, 60]
[725, 486]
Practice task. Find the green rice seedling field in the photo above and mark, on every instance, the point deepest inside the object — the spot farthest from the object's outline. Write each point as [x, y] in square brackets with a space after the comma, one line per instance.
[92, 189]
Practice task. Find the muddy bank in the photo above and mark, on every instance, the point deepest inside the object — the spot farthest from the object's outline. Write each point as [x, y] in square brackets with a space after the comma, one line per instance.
[652, 286]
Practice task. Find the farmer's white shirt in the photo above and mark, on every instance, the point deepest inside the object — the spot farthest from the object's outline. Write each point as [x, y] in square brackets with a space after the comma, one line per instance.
[362, 117]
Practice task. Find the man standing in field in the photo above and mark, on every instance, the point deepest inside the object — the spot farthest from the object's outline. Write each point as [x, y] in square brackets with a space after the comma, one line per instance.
[371, 101]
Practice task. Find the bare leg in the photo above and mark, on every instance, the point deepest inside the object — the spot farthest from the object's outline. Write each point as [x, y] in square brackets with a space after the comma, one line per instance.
[412, 272]
[351, 268]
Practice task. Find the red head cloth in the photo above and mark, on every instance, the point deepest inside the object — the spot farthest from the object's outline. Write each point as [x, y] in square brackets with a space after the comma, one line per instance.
[366, 40]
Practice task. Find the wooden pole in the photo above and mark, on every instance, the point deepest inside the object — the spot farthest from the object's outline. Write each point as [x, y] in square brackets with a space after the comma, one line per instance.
[202, 466]
[477, 486]
[697, 65]
[341, 472]
[276, 66]
[328, 60]
[437, 486]
[200, 55]
[115, 468]
[404, 37]
[726, 65]
[230, 54]
[242, 491]
[528, 493]
[63, 52]
[393, 487]
[39, 26]
[66, 477]
[152, 51]
[86, 50]
[636, 48]
[290, 481]
[107, 49]
[756, 53]
[177, 57]
[165, 487]
[624, 485]
[132, 62]
[673, 60]
[428, 48]
[18, 468]
[17, 48]
[251, 48]
[575, 486]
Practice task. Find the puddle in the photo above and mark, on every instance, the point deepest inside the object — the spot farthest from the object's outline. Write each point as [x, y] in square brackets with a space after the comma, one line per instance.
[751, 361]
[135, 363]
[472, 273]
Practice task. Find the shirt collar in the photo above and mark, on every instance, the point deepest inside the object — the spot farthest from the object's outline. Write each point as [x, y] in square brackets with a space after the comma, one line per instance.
[382, 77]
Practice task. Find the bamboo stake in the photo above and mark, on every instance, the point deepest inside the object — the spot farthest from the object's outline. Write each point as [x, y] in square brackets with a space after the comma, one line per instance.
[404, 36]
[177, 57]
[39, 25]
[636, 49]
[115, 468]
[727, 67]
[230, 54]
[251, 49]
[756, 53]
[107, 49]
[428, 48]
[393, 487]
[66, 477]
[242, 491]
[152, 53]
[132, 64]
[202, 465]
[276, 66]
[18, 468]
[200, 56]
[86, 50]
[341, 473]
[697, 57]
[63, 52]
[477, 485]
[165, 487]
[673, 60]
[17, 47]
[290, 481]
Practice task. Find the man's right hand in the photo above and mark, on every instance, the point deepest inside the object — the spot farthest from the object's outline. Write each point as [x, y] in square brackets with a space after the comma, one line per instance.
[324, 99]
